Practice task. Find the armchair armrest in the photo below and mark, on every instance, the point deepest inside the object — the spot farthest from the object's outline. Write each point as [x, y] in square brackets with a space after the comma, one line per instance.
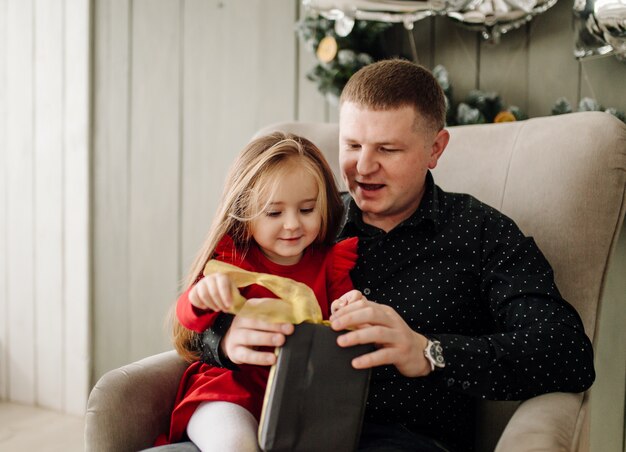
[130, 406]
[546, 422]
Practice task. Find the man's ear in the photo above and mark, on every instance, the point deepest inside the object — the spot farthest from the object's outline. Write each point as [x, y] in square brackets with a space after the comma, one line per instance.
[439, 145]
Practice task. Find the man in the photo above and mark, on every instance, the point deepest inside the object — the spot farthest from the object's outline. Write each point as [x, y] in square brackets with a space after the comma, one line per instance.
[465, 305]
[442, 267]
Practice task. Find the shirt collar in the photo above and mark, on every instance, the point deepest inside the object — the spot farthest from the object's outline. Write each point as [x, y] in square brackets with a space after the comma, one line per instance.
[428, 212]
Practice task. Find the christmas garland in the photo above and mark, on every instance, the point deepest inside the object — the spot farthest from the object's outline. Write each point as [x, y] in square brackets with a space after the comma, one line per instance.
[480, 107]
[340, 55]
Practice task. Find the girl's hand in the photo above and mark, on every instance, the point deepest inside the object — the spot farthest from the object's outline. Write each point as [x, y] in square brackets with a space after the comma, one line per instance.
[346, 299]
[212, 292]
[246, 335]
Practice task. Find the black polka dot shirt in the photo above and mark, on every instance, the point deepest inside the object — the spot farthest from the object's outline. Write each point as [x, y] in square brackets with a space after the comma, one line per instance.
[461, 272]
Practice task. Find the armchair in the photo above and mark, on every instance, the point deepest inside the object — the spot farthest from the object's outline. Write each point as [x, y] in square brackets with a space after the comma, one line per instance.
[563, 180]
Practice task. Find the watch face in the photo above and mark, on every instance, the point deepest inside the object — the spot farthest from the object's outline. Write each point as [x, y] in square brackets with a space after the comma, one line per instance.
[436, 354]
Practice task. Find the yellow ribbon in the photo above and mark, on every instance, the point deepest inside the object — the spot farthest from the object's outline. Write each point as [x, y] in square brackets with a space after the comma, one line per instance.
[296, 302]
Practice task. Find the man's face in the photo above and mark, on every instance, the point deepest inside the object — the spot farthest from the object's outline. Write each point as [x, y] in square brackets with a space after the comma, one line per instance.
[384, 156]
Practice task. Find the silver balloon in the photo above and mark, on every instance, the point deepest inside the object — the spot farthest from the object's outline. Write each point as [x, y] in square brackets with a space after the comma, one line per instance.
[600, 27]
[589, 40]
[493, 18]
[406, 12]
[344, 25]
[611, 19]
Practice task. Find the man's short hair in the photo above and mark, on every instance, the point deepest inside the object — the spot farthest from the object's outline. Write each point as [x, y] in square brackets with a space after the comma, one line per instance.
[395, 83]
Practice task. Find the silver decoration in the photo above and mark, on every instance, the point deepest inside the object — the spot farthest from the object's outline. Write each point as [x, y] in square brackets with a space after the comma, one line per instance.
[395, 11]
[491, 18]
[600, 27]
[344, 25]
[589, 40]
[611, 18]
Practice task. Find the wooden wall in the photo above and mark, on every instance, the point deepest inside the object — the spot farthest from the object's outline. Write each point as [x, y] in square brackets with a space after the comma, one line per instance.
[44, 203]
[180, 87]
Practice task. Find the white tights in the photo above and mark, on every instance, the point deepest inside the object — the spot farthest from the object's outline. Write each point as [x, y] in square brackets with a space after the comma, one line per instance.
[223, 427]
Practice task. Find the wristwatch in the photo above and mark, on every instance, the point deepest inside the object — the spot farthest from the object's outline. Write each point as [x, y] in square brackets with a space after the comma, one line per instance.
[434, 354]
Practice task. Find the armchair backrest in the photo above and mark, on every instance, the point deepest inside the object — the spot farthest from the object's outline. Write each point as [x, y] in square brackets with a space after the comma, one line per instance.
[562, 179]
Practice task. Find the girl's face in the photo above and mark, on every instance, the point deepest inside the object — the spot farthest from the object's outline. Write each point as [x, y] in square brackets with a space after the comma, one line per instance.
[291, 220]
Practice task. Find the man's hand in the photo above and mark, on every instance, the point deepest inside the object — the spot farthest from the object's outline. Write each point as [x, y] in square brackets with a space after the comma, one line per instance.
[240, 343]
[381, 325]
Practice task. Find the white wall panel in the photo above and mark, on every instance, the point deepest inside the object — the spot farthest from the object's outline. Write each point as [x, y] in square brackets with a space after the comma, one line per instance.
[44, 136]
[187, 83]
[48, 202]
[76, 203]
[154, 171]
[205, 144]
[112, 68]
[20, 201]
[4, 307]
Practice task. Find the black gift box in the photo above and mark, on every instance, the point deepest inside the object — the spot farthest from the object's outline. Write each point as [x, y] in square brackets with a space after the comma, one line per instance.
[314, 399]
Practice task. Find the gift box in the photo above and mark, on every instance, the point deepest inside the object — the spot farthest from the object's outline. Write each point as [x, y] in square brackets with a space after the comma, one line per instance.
[314, 399]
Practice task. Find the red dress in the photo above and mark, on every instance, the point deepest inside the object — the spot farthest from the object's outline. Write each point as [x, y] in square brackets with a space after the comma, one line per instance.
[325, 270]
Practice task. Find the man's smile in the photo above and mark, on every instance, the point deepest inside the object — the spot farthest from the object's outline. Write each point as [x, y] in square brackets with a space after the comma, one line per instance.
[370, 187]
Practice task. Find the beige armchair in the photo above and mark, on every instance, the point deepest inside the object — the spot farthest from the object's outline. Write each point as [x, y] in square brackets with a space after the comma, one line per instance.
[563, 180]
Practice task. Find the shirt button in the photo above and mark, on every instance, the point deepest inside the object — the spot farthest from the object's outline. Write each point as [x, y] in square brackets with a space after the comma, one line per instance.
[366, 291]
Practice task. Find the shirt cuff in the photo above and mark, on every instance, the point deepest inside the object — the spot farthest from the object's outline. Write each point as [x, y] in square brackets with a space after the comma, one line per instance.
[211, 339]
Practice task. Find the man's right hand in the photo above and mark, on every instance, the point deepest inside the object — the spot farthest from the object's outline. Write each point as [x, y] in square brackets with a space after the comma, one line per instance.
[245, 335]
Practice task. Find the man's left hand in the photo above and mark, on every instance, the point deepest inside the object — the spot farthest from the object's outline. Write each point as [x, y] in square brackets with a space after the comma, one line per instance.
[378, 324]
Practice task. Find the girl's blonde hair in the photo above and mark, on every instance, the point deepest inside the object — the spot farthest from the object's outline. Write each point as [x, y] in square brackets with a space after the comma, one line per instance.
[249, 186]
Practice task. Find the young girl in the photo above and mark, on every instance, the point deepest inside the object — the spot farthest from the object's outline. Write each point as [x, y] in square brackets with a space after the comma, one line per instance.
[279, 214]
